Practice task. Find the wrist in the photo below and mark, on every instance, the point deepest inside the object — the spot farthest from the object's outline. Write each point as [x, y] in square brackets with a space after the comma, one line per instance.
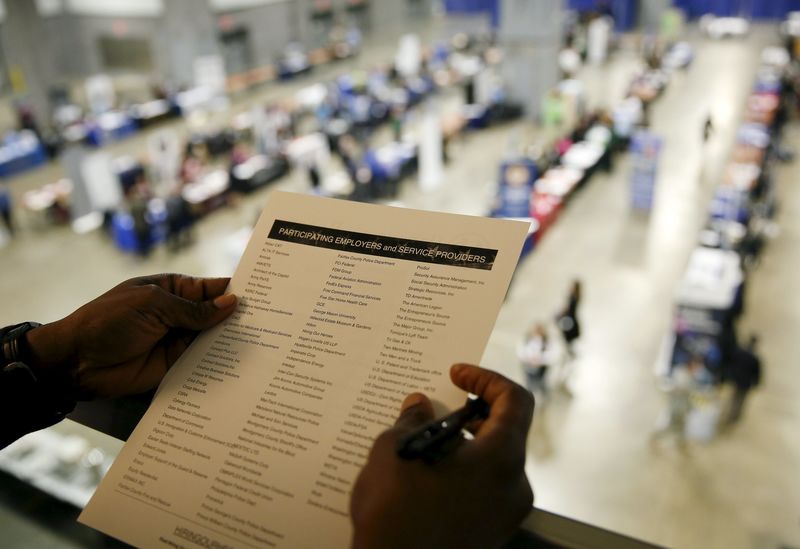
[48, 352]
[36, 388]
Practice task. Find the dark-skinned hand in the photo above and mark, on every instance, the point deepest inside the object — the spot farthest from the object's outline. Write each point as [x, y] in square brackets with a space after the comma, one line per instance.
[475, 497]
[123, 342]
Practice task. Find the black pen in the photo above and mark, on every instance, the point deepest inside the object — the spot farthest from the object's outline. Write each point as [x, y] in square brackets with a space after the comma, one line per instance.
[432, 441]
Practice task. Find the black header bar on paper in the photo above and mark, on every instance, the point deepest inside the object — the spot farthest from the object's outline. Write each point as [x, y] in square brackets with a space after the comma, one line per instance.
[384, 246]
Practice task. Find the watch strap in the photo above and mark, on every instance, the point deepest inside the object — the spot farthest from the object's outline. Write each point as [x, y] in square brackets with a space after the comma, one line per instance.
[12, 341]
[27, 403]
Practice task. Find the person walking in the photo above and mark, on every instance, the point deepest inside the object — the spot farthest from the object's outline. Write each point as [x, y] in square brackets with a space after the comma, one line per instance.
[708, 128]
[567, 320]
[314, 177]
[5, 208]
[744, 373]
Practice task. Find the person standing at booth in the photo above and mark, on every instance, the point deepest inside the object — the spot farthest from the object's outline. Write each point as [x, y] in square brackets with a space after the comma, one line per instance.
[5, 208]
[743, 371]
[138, 203]
[683, 382]
[534, 355]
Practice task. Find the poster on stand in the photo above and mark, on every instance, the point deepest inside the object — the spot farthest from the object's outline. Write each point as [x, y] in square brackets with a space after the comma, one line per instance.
[431, 165]
[409, 55]
[645, 150]
[598, 36]
[100, 93]
[209, 73]
[516, 188]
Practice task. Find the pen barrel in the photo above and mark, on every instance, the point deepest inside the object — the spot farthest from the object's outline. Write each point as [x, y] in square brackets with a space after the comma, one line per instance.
[431, 440]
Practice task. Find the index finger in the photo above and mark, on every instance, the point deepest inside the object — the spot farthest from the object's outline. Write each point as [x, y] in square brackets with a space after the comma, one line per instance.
[511, 406]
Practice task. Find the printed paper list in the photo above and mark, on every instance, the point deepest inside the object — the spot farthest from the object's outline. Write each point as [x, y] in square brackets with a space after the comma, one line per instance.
[258, 432]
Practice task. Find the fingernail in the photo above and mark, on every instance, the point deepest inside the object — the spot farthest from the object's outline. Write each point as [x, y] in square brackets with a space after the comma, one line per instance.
[225, 301]
[455, 368]
[413, 399]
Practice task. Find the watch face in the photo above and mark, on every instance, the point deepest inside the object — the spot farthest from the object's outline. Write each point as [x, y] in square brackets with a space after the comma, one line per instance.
[517, 175]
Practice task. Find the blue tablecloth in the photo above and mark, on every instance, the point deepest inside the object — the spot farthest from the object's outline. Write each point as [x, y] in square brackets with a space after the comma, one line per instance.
[387, 162]
[124, 235]
[477, 116]
[753, 134]
[731, 204]
[98, 134]
[20, 152]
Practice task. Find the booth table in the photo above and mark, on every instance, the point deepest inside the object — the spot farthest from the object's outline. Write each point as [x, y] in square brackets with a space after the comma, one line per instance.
[390, 162]
[152, 112]
[768, 80]
[583, 155]
[20, 151]
[679, 56]
[753, 134]
[559, 181]
[42, 204]
[762, 107]
[477, 116]
[545, 209]
[209, 192]
[742, 177]
[257, 171]
[293, 62]
[109, 126]
[747, 154]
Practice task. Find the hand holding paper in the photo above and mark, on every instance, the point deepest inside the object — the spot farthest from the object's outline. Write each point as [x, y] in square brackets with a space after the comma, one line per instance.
[474, 498]
[259, 431]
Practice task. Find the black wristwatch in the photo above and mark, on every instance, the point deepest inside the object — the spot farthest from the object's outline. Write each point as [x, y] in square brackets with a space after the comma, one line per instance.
[27, 403]
[13, 341]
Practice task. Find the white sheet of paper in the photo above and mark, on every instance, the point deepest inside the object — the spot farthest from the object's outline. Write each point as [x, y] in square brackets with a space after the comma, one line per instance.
[259, 430]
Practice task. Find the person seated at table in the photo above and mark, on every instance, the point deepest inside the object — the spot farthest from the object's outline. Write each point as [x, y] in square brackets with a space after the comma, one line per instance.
[349, 151]
[240, 153]
[563, 145]
[363, 185]
[192, 165]
[179, 221]
[27, 120]
[138, 204]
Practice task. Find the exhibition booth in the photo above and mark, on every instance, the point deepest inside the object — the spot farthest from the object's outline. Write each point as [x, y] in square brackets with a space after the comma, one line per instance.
[711, 295]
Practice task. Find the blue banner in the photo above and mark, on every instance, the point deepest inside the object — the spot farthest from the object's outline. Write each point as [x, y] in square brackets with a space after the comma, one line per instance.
[476, 7]
[516, 186]
[645, 149]
[623, 11]
[754, 9]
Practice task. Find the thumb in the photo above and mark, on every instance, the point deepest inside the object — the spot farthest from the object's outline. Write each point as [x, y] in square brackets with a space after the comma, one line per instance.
[177, 312]
[415, 411]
